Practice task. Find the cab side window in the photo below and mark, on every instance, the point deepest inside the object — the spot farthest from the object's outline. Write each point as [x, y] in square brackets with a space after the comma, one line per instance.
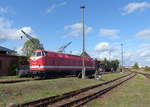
[43, 54]
[46, 53]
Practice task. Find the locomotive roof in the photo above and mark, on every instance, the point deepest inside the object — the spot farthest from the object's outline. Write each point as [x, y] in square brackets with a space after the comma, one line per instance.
[60, 53]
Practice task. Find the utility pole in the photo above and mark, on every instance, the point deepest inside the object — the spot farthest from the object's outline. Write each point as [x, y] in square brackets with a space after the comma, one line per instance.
[121, 56]
[83, 49]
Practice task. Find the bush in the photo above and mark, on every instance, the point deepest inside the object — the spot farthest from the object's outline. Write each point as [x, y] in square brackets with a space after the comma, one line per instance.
[111, 65]
[147, 68]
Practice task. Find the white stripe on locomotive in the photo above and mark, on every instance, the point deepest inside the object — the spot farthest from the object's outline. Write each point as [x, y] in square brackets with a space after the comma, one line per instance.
[59, 67]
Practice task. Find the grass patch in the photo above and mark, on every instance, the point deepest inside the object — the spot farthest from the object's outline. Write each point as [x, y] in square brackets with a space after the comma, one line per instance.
[31, 90]
[141, 70]
[7, 78]
[134, 93]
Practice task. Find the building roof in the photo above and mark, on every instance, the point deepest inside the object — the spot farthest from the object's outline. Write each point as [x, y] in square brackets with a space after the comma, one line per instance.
[85, 54]
[3, 49]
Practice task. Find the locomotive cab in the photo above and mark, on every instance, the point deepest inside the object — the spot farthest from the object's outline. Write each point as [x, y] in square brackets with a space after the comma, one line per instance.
[39, 53]
[37, 61]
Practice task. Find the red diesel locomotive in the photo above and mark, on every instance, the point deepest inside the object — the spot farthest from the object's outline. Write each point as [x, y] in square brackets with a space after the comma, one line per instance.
[50, 64]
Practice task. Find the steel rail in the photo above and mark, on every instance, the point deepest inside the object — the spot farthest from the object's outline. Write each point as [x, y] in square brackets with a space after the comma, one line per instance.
[24, 80]
[144, 74]
[84, 100]
[102, 92]
[15, 81]
[49, 100]
[12, 81]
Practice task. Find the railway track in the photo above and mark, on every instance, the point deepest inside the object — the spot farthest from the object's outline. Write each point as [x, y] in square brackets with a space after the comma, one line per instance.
[145, 74]
[13, 81]
[78, 97]
[25, 80]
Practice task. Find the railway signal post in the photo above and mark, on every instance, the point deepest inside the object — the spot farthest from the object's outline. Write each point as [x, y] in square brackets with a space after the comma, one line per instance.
[83, 50]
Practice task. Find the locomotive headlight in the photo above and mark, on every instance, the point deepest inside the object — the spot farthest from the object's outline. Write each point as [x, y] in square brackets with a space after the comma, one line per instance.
[32, 58]
[35, 58]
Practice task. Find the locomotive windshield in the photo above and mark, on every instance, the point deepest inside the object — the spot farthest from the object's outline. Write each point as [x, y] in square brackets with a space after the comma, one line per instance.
[39, 54]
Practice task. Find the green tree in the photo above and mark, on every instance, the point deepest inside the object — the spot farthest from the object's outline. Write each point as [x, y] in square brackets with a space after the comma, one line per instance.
[111, 65]
[30, 46]
[105, 60]
[135, 66]
[115, 64]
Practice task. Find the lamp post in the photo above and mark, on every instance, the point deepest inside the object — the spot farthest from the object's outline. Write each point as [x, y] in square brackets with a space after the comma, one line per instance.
[83, 49]
[122, 56]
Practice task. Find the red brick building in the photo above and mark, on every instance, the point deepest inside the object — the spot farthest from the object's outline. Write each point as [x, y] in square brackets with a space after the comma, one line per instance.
[9, 62]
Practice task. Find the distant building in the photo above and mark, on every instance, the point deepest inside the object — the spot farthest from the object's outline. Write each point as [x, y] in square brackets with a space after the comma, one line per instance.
[85, 54]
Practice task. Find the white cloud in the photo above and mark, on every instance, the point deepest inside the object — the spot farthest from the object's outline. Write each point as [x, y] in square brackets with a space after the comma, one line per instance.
[76, 52]
[19, 50]
[6, 10]
[140, 55]
[145, 46]
[100, 56]
[75, 30]
[144, 50]
[144, 34]
[55, 6]
[3, 10]
[8, 32]
[4, 23]
[132, 7]
[110, 33]
[103, 47]
[129, 58]
[145, 53]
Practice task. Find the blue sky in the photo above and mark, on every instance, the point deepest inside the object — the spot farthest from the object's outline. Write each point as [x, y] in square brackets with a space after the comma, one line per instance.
[56, 22]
